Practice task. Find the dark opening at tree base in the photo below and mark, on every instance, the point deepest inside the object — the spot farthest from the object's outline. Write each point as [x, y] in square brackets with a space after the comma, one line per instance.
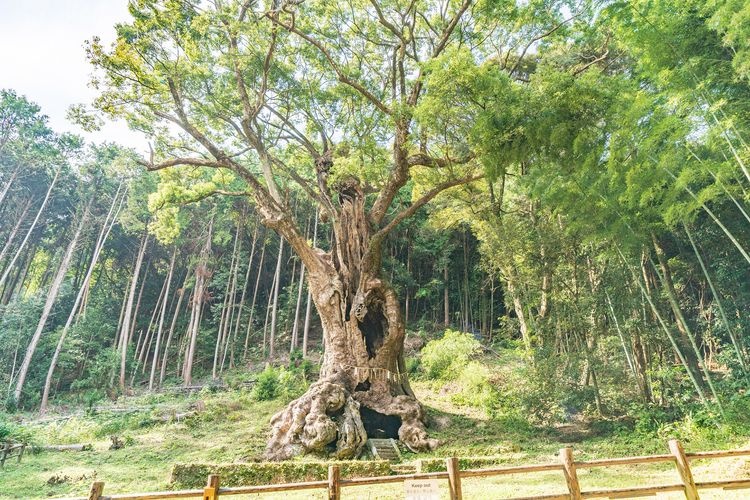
[378, 425]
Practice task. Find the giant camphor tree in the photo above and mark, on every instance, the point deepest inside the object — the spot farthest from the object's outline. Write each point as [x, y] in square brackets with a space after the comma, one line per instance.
[260, 99]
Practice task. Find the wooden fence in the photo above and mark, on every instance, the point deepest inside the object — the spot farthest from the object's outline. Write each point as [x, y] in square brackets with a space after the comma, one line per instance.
[567, 465]
[8, 448]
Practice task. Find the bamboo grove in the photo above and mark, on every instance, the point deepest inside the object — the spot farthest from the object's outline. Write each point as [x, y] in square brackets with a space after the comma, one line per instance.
[607, 238]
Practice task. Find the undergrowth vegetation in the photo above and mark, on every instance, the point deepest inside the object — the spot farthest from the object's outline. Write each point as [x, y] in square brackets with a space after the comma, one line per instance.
[486, 403]
[507, 384]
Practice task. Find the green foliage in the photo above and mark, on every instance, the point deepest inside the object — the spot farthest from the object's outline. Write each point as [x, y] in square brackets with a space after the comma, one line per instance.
[273, 383]
[438, 464]
[194, 475]
[12, 431]
[446, 358]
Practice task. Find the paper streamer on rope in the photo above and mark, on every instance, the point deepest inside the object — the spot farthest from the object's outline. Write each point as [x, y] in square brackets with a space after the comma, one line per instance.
[362, 373]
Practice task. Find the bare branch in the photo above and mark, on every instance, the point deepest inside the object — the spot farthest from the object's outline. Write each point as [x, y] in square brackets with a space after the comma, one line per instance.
[426, 198]
[536, 39]
[342, 77]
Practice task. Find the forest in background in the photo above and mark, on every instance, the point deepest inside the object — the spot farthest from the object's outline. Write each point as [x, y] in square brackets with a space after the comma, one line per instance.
[608, 242]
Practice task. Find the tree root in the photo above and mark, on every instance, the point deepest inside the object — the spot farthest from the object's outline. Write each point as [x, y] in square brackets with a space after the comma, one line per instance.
[327, 420]
[325, 415]
[412, 432]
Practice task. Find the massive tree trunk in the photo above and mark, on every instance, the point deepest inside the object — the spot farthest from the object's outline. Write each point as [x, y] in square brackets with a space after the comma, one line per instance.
[363, 388]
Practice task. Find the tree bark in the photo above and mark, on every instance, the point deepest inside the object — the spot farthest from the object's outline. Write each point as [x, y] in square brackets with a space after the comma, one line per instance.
[363, 385]
[275, 307]
[308, 307]
[202, 274]
[232, 306]
[242, 296]
[127, 317]
[226, 307]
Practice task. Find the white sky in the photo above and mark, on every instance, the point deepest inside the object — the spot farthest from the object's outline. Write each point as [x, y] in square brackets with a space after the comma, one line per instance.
[42, 57]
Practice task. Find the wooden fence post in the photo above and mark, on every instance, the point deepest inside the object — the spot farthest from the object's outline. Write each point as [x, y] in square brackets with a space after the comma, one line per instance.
[334, 486]
[211, 491]
[683, 467]
[454, 478]
[571, 476]
[20, 454]
[96, 491]
[4, 455]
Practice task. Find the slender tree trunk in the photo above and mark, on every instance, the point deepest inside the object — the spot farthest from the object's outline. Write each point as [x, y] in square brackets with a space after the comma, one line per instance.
[242, 297]
[466, 285]
[227, 336]
[274, 310]
[295, 327]
[51, 298]
[165, 356]
[8, 184]
[255, 296]
[446, 301]
[682, 324]
[121, 318]
[134, 319]
[226, 307]
[101, 240]
[12, 235]
[30, 230]
[306, 329]
[142, 349]
[155, 359]
[269, 303]
[126, 322]
[202, 274]
[642, 284]
[717, 298]
[620, 333]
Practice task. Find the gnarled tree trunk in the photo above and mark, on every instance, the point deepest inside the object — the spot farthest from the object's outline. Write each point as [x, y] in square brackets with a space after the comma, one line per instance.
[363, 388]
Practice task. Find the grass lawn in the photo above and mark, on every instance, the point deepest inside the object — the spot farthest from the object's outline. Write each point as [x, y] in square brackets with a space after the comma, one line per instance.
[231, 427]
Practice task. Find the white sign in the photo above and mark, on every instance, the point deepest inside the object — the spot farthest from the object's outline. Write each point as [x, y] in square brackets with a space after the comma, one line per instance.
[422, 489]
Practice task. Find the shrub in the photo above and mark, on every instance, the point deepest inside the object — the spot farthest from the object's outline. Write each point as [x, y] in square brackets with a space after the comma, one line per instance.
[250, 474]
[412, 366]
[426, 465]
[274, 383]
[445, 358]
[476, 389]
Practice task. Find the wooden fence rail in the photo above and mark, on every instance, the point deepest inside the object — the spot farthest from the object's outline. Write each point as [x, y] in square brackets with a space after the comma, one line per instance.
[568, 466]
[8, 448]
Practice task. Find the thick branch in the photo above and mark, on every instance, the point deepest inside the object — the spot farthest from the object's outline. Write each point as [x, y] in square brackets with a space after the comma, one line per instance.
[426, 198]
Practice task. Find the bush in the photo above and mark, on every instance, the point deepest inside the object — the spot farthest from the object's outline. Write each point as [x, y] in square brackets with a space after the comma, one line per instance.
[267, 387]
[251, 474]
[445, 358]
[476, 389]
[426, 465]
[273, 383]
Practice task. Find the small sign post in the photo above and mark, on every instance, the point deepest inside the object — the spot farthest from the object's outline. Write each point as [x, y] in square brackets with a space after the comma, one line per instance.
[422, 489]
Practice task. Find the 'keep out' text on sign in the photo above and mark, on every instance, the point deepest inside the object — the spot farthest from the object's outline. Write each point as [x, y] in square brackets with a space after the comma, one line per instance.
[422, 489]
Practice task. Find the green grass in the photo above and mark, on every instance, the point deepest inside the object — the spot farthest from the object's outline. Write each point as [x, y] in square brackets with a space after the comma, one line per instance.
[231, 427]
